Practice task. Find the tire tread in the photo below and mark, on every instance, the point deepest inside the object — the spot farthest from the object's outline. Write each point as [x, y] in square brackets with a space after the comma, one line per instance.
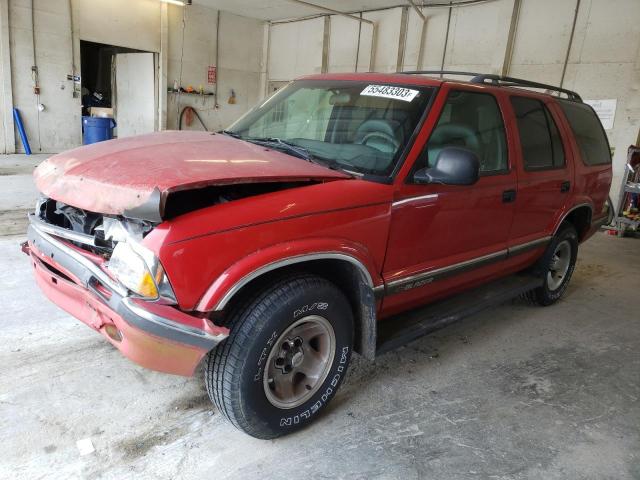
[225, 363]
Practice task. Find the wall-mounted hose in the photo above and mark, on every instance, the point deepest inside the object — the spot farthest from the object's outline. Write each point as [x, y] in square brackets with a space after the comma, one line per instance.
[195, 112]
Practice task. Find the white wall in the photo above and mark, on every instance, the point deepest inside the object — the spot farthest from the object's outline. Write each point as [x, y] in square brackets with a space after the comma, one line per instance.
[125, 23]
[58, 127]
[604, 60]
[134, 24]
[239, 65]
[295, 49]
[7, 140]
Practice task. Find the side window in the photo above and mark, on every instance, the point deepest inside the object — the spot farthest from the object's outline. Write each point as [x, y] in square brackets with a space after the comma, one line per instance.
[539, 137]
[589, 134]
[473, 121]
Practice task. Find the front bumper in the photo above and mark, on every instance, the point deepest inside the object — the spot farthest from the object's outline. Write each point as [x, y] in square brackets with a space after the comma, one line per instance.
[156, 336]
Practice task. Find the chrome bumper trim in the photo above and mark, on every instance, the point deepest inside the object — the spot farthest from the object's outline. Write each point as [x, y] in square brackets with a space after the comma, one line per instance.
[61, 232]
[88, 273]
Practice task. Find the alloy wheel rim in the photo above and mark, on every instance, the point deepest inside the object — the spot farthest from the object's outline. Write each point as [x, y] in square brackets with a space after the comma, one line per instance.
[299, 362]
[559, 267]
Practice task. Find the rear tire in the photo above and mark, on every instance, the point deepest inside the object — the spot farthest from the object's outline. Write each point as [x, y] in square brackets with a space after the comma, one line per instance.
[556, 266]
[286, 355]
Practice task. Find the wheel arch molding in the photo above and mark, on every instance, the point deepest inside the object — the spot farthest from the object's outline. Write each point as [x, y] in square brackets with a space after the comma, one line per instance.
[580, 216]
[346, 264]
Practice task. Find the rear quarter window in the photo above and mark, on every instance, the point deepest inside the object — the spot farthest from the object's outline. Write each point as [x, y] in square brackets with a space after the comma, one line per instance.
[588, 132]
[539, 137]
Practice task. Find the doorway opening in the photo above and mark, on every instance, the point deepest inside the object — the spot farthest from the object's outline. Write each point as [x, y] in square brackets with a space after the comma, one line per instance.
[119, 83]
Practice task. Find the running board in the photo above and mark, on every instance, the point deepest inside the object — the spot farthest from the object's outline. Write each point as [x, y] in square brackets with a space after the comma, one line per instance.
[401, 329]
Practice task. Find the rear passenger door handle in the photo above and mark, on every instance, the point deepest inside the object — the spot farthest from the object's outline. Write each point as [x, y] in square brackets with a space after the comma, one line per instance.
[565, 186]
[508, 196]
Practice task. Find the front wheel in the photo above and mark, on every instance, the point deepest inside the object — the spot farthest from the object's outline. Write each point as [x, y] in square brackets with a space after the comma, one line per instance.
[556, 266]
[286, 355]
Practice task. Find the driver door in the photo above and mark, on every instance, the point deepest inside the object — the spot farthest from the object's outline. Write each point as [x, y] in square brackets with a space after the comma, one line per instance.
[445, 237]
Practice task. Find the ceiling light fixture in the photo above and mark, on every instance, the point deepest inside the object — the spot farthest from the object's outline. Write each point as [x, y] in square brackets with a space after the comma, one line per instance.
[174, 2]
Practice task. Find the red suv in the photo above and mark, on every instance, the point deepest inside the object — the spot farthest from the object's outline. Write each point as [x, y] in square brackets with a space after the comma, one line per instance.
[273, 250]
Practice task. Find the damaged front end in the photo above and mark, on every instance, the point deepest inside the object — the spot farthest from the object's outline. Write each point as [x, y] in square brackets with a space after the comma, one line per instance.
[117, 240]
[91, 231]
[97, 269]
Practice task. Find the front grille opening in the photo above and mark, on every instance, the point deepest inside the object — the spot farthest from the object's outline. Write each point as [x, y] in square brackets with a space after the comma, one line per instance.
[57, 272]
[88, 227]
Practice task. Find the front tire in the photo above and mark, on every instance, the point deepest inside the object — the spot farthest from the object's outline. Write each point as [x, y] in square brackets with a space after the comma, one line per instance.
[286, 355]
[556, 266]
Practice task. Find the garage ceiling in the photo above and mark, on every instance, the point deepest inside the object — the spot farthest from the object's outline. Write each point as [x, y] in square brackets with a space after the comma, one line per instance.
[282, 9]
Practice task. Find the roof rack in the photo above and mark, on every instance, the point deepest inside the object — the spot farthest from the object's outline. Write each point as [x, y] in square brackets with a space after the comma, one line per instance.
[441, 73]
[501, 81]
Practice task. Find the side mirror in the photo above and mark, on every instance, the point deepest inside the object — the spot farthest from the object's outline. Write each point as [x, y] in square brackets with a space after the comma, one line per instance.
[454, 166]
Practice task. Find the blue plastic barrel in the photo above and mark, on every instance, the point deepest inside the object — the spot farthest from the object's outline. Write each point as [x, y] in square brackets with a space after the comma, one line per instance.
[97, 129]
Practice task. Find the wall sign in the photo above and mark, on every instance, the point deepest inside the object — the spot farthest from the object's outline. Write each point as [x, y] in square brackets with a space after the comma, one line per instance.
[606, 111]
[212, 74]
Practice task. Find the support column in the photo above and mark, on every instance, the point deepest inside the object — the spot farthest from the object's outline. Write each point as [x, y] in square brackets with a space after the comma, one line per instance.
[402, 41]
[162, 67]
[325, 44]
[513, 26]
[264, 61]
[6, 87]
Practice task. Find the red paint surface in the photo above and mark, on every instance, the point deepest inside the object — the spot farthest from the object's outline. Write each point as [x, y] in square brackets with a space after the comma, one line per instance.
[117, 175]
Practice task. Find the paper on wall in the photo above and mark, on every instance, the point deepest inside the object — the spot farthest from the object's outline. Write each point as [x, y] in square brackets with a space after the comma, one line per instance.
[606, 111]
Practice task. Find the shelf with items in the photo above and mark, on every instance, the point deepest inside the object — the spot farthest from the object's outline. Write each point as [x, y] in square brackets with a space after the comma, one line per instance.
[627, 218]
[198, 94]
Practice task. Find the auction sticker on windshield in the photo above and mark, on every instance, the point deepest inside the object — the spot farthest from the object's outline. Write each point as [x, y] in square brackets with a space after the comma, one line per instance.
[387, 91]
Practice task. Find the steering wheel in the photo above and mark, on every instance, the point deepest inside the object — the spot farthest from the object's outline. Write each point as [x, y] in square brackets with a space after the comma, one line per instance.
[382, 135]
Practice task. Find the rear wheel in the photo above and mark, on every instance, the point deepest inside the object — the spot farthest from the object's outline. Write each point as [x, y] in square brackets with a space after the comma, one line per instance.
[556, 266]
[285, 357]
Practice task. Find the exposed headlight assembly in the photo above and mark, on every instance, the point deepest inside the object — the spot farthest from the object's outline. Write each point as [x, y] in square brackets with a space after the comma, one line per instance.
[138, 269]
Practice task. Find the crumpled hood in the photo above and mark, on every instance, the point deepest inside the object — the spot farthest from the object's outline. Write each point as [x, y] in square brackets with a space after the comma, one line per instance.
[138, 173]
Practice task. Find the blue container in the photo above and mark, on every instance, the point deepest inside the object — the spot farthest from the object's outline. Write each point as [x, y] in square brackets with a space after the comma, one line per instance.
[97, 129]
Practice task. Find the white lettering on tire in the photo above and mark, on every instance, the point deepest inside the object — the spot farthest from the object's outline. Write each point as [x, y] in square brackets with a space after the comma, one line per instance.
[324, 398]
[309, 308]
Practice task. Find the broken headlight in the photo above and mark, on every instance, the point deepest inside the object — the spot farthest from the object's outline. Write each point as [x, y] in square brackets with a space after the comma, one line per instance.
[138, 269]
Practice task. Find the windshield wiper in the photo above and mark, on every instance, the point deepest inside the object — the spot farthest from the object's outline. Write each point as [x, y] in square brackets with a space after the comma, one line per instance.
[230, 133]
[288, 147]
[293, 149]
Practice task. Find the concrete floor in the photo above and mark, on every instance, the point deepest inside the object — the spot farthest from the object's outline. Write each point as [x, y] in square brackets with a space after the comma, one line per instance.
[519, 392]
[18, 194]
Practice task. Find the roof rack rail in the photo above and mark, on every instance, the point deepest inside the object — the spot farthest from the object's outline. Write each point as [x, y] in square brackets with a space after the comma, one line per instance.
[499, 80]
[519, 82]
[441, 72]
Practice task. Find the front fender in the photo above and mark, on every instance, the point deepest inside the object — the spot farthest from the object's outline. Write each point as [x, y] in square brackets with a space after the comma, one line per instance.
[231, 281]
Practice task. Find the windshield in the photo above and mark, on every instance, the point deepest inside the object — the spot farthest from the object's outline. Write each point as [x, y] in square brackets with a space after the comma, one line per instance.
[353, 125]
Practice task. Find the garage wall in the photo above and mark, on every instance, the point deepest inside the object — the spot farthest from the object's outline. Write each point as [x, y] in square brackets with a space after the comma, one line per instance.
[239, 64]
[59, 125]
[604, 61]
[125, 23]
[295, 49]
[137, 24]
[7, 141]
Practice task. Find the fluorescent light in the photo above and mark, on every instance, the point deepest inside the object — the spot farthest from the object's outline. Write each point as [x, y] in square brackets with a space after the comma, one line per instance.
[174, 2]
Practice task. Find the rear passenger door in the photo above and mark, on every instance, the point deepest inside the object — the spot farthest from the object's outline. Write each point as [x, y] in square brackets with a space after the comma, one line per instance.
[545, 173]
